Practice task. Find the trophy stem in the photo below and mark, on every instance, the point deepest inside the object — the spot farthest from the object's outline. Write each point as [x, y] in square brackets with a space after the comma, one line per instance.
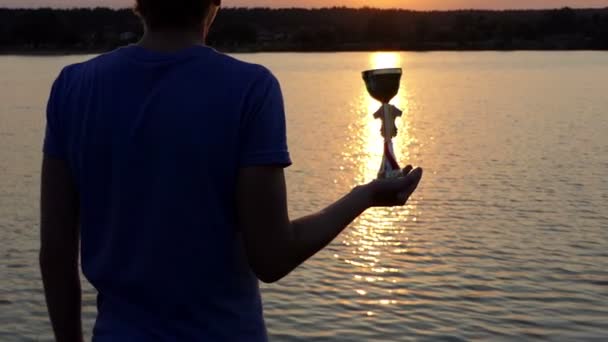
[390, 168]
[387, 117]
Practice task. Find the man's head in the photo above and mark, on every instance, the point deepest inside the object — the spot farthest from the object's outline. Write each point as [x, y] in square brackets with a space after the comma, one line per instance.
[177, 14]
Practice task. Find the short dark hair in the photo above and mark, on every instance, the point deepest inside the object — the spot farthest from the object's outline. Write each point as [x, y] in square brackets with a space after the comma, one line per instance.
[172, 14]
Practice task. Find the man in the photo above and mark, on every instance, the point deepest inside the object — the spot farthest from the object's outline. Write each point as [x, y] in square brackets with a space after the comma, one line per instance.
[164, 160]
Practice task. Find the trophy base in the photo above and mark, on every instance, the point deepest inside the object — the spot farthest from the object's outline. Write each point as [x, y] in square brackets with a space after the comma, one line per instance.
[390, 168]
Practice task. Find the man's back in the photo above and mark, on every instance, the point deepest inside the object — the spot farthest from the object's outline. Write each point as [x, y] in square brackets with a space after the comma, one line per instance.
[154, 142]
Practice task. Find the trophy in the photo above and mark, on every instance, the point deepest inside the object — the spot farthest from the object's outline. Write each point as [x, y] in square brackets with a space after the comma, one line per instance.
[383, 85]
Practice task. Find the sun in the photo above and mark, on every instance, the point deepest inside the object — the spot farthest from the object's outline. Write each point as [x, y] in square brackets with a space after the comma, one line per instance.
[382, 60]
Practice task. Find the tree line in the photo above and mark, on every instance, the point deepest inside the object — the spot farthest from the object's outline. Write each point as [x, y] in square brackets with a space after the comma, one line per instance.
[329, 29]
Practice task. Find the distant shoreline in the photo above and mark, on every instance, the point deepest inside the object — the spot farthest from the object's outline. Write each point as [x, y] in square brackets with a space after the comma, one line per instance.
[43, 32]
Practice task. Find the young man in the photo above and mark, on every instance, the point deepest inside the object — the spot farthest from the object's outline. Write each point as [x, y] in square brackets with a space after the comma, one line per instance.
[164, 160]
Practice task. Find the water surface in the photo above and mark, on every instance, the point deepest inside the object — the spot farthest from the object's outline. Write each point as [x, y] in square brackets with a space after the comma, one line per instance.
[506, 239]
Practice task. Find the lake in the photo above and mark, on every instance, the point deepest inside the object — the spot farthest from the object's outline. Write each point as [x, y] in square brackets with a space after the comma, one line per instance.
[506, 239]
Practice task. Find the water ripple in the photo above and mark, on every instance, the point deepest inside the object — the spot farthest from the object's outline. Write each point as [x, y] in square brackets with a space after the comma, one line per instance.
[507, 238]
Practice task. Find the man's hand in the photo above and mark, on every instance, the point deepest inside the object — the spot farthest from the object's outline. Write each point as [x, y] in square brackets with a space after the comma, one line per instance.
[395, 191]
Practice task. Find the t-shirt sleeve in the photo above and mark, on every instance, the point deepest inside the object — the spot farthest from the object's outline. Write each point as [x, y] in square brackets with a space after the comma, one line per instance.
[263, 128]
[54, 139]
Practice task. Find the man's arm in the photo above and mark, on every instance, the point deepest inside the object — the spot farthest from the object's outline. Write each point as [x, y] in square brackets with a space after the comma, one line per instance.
[275, 245]
[59, 250]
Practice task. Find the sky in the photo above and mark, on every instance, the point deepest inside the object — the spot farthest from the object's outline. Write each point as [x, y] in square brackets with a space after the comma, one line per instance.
[409, 4]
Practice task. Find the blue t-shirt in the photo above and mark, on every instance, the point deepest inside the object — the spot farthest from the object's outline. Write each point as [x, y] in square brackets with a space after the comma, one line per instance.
[154, 142]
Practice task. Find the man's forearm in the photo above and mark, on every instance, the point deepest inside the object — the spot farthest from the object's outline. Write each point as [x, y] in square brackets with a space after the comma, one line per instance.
[63, 295]
[313, 233]
[59, 249]
[308, 235]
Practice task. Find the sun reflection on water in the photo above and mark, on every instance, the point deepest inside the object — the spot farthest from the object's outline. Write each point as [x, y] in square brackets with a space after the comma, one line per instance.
[378, 238]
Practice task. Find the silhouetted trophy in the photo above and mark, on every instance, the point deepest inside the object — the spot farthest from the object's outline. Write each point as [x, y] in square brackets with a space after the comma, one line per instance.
[383, 85]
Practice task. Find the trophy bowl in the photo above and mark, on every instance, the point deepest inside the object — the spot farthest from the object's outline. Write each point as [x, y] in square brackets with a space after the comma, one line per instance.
[383, 84]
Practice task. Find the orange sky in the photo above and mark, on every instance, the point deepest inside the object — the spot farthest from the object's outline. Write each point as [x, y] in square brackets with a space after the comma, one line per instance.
[410, 4]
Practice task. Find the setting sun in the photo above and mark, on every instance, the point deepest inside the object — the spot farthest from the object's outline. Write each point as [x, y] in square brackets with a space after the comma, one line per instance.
[381, 60]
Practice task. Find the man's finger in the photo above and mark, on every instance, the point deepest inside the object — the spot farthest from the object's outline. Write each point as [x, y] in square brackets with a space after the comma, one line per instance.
[416, 174]
[407, 170]
[415, 178]
[404, 183]
[410, 182]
